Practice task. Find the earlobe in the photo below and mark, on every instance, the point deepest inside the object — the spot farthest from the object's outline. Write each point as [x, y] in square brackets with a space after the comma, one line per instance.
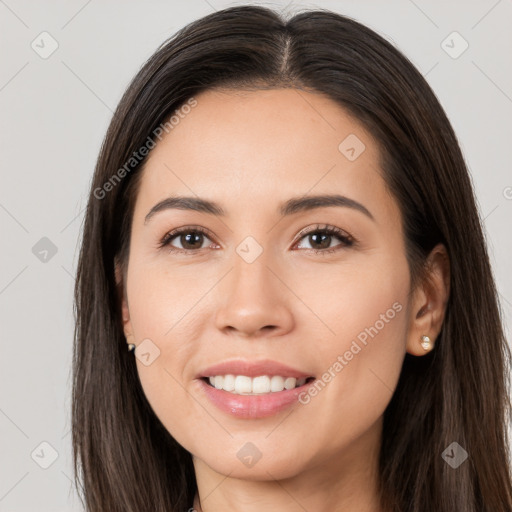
[429, 303]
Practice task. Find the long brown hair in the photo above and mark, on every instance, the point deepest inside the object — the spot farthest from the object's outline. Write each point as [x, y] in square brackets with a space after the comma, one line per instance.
[125, 460]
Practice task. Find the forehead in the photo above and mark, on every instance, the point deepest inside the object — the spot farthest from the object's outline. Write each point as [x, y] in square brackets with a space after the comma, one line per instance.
[257, 145]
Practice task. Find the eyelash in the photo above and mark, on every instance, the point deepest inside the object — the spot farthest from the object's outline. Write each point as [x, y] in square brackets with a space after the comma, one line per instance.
[347, 240]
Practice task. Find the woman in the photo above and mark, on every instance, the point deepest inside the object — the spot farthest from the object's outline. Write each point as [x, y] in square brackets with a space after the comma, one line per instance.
[284, 299]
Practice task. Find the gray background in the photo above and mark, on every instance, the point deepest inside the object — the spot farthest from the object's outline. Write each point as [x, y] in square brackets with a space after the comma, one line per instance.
[54, 113]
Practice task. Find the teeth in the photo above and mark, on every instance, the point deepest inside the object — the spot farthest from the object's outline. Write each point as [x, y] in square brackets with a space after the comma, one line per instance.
[259, 384]
[243, 385]
[218, 382]
[228, 383]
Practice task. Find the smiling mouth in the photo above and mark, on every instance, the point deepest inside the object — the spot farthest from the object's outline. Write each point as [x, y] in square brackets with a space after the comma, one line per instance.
[261, 385]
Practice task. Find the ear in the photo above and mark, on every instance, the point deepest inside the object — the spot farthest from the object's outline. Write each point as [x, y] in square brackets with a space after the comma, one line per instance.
[123, 300]
[429, 302]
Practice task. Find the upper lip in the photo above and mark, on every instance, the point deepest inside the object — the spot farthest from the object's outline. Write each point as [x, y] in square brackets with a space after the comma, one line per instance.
[252, 369]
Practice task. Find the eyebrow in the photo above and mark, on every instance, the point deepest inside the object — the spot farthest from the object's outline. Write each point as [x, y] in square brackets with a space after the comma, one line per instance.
[289, 207]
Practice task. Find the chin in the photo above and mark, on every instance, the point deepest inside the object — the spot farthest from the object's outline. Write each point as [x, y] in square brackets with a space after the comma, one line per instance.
[239, 465]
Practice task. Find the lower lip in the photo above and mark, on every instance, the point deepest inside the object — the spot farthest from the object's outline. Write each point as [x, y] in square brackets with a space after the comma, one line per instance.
[252, 406]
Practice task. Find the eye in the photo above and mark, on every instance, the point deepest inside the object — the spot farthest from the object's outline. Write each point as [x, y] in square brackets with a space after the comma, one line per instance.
[190, 238]
[321, 238]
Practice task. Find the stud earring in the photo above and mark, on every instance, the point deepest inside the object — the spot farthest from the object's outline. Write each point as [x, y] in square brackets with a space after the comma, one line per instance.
[426, 342]
[131, 346]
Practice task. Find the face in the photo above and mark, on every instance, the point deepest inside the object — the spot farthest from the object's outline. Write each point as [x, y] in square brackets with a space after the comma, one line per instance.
[312, 296]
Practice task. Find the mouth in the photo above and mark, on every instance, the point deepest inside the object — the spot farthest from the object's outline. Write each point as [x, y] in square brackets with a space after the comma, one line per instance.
[251, 398]
[254, 389]
[259, 385]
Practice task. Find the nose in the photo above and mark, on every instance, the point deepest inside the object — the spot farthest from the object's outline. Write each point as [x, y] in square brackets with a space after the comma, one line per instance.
[254, 302]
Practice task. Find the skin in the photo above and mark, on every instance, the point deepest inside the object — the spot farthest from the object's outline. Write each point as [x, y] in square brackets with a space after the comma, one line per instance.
[250, 151]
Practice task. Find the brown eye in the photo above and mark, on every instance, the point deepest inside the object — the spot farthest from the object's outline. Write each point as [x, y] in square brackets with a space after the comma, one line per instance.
[189, 240]
[192, 240]
[320, 239]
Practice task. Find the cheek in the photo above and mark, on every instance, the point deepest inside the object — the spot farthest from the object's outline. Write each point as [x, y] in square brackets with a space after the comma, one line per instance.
[162, 314]
[360, 300]
[363, 355]
[163, 302]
